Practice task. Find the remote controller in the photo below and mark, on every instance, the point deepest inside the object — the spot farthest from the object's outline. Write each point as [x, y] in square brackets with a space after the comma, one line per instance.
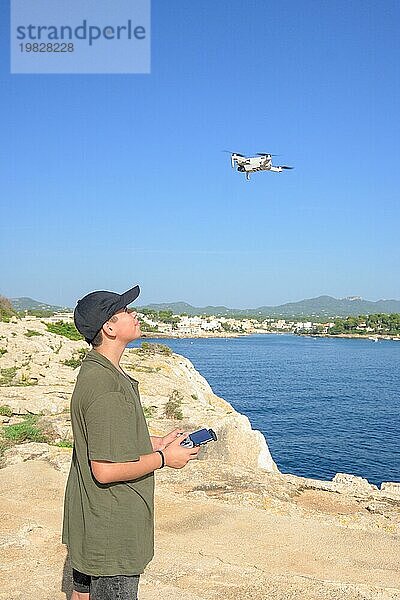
[199, 438]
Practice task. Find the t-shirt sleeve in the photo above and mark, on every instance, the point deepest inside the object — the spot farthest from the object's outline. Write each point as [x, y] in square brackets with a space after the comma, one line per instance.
[111, 428]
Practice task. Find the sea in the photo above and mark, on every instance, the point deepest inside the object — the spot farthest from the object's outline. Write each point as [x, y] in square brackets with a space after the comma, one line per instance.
[325, 405]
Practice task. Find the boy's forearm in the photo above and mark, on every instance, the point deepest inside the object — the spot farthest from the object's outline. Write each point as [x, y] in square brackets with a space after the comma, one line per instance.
[109, 472]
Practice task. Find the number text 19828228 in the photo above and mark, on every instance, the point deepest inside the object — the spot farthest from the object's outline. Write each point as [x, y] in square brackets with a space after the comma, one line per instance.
[49, 47]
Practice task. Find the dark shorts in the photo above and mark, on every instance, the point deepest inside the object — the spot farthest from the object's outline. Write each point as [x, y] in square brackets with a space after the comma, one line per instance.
[117, 587]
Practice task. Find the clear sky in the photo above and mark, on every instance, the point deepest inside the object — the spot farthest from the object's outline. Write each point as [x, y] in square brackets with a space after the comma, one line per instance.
[111, 180]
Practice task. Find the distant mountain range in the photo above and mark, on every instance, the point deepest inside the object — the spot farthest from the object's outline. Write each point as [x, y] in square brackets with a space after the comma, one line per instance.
[322, 306]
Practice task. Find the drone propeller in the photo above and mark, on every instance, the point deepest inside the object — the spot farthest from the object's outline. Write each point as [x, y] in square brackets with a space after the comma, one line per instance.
[237, 153]
[285, 167]
[266, 154]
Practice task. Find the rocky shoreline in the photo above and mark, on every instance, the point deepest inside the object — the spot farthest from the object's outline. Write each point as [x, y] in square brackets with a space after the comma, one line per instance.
[229, 525]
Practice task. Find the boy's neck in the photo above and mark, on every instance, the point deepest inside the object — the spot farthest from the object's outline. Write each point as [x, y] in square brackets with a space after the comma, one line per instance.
[113, 353]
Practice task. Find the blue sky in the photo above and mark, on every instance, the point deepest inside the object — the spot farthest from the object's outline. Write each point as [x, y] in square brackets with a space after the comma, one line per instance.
[111, 180]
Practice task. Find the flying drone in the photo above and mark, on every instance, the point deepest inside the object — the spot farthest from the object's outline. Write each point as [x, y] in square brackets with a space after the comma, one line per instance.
[250, 164]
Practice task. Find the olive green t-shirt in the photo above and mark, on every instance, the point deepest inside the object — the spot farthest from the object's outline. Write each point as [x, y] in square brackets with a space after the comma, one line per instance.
[108, 528]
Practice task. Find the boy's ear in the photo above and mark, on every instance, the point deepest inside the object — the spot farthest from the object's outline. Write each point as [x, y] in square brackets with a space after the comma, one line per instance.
[107, 328]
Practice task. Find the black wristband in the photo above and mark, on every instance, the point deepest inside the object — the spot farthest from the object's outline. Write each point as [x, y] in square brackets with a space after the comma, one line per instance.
[162, 458]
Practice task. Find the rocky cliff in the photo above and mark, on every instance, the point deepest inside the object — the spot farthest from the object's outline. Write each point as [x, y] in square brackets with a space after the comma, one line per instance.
[38, 370]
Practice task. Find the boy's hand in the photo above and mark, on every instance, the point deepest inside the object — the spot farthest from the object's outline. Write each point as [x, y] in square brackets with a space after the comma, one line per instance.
[176, 456]
[170, 437]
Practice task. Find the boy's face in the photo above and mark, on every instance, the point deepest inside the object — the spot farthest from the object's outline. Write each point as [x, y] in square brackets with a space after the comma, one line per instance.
[125, 325]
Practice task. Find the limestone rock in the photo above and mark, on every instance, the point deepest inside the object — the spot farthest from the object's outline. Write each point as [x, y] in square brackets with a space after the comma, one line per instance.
[38, 399]
[354, 483]
[239, 444]
[59, 458]
[390, 489]
[24, 452]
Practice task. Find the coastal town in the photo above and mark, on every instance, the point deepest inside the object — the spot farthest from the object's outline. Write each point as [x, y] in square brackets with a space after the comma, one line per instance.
[206, 325]
[167, 324]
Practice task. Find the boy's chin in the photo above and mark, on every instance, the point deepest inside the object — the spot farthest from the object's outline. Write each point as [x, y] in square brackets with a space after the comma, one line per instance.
[136, 336]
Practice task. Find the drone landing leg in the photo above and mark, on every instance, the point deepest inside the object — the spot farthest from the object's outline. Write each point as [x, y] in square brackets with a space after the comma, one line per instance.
[248, 176]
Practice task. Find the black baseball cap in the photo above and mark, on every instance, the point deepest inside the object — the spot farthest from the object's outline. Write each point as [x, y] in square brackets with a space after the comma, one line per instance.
[96, 308]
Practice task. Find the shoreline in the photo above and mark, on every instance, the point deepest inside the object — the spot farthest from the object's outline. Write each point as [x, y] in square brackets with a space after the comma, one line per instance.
[226, 335]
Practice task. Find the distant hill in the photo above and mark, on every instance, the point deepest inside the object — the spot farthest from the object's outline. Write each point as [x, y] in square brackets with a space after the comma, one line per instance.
[322, 306]
[179, 308]
[29, 304]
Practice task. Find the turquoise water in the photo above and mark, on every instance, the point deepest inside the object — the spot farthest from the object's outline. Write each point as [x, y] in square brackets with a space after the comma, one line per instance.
[325, 405]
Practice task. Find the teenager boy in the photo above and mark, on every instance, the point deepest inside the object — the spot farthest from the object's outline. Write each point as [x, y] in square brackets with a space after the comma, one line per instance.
[109, 499]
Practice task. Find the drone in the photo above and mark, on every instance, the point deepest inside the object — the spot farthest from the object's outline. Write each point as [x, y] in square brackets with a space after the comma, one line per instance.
[250, 164]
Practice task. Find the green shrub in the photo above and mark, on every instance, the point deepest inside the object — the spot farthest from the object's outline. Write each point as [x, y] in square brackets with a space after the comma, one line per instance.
[6, 310]
[3, 351]
[194, 396]
[76, 359]
[58, 348]
[149, 411]
[65, 444]
[3, 448]
[36, 313]
[26, 431]
[72, 362]
[32, 333]
[6, 411]
[172, 408]
[145, 369]
[26, 380]
[65, 329]
[7, 375]
[146, 327]
[149, 348]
